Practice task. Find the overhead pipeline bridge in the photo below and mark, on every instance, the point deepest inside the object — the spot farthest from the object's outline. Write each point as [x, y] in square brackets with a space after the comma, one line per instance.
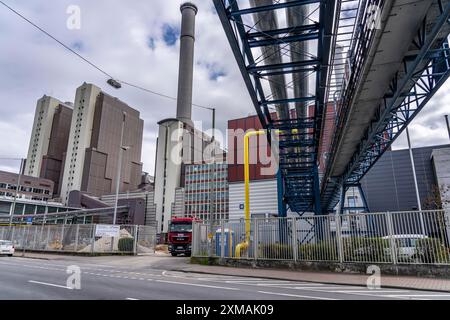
[398, 59]
[270, 41]
[378, 61]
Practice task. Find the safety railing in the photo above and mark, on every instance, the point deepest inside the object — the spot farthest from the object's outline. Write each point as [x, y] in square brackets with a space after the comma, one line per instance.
[81, 238]
[413, 237]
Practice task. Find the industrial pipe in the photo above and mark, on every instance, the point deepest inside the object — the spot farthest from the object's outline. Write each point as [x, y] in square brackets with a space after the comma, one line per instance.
[244, 245]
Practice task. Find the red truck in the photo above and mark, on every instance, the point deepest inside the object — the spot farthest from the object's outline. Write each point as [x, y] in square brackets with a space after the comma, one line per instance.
[180, 236]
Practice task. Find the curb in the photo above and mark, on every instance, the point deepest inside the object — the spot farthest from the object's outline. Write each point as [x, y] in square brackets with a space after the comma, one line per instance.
[312, 281]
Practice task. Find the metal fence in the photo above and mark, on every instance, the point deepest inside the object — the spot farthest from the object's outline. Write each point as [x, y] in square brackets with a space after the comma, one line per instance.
[413, 237]
[80, 238]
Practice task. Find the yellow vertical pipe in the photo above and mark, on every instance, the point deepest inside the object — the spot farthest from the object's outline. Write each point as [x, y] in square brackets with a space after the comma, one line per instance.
[247, 180]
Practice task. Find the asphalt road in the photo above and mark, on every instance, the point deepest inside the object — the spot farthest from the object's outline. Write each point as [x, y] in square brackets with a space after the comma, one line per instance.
[33, 279]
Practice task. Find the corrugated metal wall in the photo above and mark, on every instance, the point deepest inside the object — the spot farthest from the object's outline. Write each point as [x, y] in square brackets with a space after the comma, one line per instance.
[389, 185]
[149, 198]
[263, 198]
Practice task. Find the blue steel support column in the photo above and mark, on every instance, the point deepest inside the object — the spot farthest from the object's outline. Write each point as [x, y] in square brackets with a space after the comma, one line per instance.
[363, 198]
[342, 199]
[282, 208]
[317, 207]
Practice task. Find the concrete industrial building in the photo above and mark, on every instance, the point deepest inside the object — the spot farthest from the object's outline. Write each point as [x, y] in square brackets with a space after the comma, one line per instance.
[148, 197]
[27, 206]
[178, 146]
[31, 188]
[206, 191]
[179, 143]
[91, 161]
[48, 141]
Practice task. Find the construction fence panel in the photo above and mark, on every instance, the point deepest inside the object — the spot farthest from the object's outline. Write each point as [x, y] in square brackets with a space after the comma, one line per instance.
[80, 238]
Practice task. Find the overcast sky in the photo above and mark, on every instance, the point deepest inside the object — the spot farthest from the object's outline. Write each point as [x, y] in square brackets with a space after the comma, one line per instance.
[135, 41]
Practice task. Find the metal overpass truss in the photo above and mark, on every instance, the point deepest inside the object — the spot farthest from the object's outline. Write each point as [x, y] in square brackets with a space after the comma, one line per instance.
[298, 183]
[424, 70]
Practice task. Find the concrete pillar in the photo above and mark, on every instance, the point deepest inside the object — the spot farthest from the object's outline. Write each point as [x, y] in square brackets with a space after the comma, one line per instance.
[186, 67]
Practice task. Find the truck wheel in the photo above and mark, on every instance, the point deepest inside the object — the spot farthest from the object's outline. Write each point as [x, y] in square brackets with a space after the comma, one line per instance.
[188, 254]
[174, 254]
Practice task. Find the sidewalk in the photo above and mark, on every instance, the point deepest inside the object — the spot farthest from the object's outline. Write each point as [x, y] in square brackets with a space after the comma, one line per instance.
[404, 282]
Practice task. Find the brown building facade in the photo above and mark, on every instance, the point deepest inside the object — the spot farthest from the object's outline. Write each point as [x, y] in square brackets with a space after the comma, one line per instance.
[92, 158]
[49, 140]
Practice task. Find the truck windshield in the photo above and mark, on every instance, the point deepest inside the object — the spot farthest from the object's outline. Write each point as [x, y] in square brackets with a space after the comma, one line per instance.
[181, 227]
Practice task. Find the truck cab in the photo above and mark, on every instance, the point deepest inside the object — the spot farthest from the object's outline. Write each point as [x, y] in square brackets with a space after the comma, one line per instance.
[180, 236]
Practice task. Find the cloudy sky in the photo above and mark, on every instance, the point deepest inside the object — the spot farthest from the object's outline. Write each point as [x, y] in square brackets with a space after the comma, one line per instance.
[135, 41]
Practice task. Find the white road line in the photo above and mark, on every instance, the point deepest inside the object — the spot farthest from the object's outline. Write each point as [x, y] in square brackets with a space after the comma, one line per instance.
[368, 291]
[50, 284]
[131, 299]
[419, 295]
[296, 295]
[196, 285]
[296, 284]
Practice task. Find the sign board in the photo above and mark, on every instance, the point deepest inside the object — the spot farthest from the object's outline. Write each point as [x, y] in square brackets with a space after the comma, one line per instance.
[29, 220]
[107, 230]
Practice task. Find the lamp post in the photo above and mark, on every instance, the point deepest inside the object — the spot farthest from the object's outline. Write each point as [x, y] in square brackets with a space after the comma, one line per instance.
[419, 205]
[211, 190]
[13, 206]
[119, 166]
[448, 125]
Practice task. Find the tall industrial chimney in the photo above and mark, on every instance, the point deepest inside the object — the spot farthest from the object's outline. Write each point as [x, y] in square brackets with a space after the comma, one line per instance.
[186, 68]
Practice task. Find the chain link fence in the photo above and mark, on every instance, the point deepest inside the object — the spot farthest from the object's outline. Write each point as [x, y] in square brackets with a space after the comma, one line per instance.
[80, 238]
[413, 237]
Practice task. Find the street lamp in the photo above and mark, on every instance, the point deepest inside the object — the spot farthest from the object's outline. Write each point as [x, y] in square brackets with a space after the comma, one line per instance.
[119, 166]
[13, 206]
[419, 205]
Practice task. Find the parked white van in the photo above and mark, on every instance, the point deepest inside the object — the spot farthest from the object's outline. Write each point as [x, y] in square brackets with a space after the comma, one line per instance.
[406, 245]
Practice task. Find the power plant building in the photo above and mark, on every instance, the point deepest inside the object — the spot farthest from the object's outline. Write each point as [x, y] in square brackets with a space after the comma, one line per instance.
[91, 161]
[49, 138]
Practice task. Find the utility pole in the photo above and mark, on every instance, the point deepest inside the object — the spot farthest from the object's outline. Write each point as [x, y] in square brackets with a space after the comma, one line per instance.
[13, 206]
[119, 167]
[211, 189]
[448, 125]
[419, 205]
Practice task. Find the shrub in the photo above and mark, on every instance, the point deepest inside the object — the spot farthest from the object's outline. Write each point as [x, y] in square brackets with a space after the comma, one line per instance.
[366, 249]
[126, 244]
[324, 251]
[431, 250]
[275, 251]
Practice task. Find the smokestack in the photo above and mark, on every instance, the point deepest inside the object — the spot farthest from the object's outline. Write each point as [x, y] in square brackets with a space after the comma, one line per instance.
[186, 67]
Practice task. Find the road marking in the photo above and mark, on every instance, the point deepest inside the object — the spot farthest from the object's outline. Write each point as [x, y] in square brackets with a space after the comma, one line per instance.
[196, 285]
[418, 295]
[368, 291]
[50, 284]
[131, 299]
[296, 295]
